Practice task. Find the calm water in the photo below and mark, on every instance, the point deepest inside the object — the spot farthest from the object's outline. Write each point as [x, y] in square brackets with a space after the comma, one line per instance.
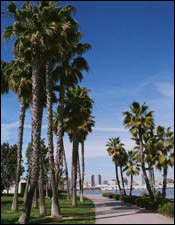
[170, 192]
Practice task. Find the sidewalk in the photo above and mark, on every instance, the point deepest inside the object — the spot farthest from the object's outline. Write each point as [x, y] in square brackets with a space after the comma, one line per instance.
[109, 211]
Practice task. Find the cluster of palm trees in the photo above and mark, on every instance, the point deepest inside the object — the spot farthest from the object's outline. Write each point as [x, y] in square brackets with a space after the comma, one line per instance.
[46, 69]
[154, 149]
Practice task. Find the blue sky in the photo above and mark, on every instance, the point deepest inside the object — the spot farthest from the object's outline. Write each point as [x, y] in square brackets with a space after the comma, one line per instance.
[132, 59]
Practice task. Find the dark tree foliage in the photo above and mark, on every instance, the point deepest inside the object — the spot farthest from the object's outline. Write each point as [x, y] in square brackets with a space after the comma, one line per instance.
[8, 165]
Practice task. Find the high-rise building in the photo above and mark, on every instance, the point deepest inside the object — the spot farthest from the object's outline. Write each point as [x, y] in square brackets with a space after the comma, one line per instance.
[92, 181]
[99, 179]
[105, 182]
[125, 180]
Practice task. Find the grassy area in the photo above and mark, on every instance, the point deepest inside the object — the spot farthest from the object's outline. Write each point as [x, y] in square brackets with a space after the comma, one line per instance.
[83, 214]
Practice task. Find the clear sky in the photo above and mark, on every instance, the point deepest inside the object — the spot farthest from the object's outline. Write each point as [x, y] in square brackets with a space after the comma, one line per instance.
[132, 59]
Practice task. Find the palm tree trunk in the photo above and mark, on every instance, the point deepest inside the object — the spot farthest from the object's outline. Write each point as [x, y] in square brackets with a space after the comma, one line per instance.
[123, 185]
[148, 186]
[117, 177]
[67, 176]
[74, 167]
[60, 134]
[29, 169]
[14, 207]
[131, 185]
[35, 200]
[42, 206]
[36, 130]
[79, 170]
[164, 185]
[83, 171]
[26, 188]
[55, 210]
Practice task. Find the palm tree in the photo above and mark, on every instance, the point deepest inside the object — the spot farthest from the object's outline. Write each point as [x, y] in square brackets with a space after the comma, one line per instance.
[78, 107]
[55, 212]
[55, 126]
[122, 162]
[19, 81]
[150, 145]
[113, 148]
[165, 145]
[140, 120]
[132, 168]
[70, 72]
[84, 129]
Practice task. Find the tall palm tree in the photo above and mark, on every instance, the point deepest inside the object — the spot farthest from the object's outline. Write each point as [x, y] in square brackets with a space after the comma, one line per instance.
[55, 126]
[139, 120]
[84, 130]
[165, 145]
[69, 73]
[113, 148]
[122, 162]
[19, 81]
[150, 145]
[132, 168]
[78, 107]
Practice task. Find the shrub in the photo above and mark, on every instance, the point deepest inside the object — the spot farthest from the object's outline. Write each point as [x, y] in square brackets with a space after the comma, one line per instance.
[147, 203]
[166, 209]
[116, 197]
[131, 199]
[108, 195]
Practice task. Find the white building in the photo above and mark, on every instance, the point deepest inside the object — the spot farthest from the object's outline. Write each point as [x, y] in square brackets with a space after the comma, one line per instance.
[21, 188]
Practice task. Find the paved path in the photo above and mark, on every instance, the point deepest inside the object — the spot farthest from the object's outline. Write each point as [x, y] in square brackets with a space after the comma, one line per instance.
[109, 211]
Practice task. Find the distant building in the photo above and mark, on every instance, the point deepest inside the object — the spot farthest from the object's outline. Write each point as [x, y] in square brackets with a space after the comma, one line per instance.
[125, 180]
[99, 179]
[21, 188]
[143, 180]
[105, 182]
[92, 181]
[112, 182]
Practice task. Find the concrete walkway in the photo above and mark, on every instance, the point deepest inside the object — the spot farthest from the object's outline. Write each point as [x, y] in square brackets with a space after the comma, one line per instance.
[109, 211]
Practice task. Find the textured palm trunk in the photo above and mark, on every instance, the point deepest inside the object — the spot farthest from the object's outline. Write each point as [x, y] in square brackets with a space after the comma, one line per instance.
[29, 169]
[151, 176]
[26, 188]
[123, 184]
[117, 177]
[131, 185]
[79, 170]
[83, 171]
[164, 185]
[36, 131]
[35, 200]
[60, 134]
[148, 186]
[47, 191]
[42, 206]
[74, 167]
[67, 175]
[55, 209]
[14, 207]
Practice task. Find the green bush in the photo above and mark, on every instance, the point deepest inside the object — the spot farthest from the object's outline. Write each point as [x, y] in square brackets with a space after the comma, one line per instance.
[166, 209]
[147, 203]
[130, 199]
[108, 195]
[116, 197]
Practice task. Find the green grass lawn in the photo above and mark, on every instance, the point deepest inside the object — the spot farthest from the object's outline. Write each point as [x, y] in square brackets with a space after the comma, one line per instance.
[83, 214]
